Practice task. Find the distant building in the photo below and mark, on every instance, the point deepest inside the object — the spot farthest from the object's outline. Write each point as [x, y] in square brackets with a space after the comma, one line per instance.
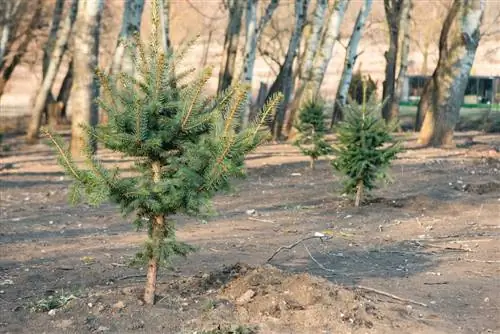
[480, 89]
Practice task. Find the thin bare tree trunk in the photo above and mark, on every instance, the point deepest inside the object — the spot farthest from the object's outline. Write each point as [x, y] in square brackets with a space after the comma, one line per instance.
[350, 61]
[123, 58]
[230, 50]
[310, 87]
[444, 93]
[393, 9]
[84, 108]
[253, 33]
[404, 26]
[284, 80]
[55, 61]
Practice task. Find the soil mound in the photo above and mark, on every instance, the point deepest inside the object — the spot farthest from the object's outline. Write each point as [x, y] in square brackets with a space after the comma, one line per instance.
[280, 302]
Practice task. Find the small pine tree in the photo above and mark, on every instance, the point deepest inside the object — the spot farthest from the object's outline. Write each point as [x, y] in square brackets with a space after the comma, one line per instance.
[311, 131]
[363, 153]
[185, 147]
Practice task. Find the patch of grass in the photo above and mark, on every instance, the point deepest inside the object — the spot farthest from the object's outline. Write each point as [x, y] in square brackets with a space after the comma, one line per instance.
[52, 302]
[88, 260]
[234, 329]
[209, 305]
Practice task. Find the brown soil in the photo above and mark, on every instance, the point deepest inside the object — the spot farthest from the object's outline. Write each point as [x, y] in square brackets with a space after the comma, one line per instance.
[431, 237]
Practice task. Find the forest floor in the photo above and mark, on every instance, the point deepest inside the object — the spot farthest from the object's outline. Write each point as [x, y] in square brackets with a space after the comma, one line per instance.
[421, 256]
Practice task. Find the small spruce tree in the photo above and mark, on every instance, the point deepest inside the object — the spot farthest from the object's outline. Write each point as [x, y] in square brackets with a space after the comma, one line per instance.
[366, 147]
[185, 147]
[311, 131]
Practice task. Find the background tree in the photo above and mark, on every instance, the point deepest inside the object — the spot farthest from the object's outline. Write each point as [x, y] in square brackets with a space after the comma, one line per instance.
[185, 144]
[65, 91]
[361, 87]
[52, 107]
[443, 94]
[165, 24]
[284, 80]
[57, 52]
[52, 39]
[404, 51]
[253, 33]
[427, 22]
[18, 28]
[231, 41]
[131, 24]
[393, 10]
[350, 61]
[83, 104]
[309, 88]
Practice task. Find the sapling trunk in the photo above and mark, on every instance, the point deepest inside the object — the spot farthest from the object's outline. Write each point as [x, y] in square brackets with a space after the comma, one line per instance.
[359, 193]
[311, 163]
[157, 235]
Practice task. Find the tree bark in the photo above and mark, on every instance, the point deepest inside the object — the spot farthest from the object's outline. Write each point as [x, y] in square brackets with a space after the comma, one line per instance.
[157, 235]
[123, 58]
[284, 80]
[230, 50]
[359, 193]
[44, 93]
[65, 92]
[325, 51]
[51, 107]
[350, 61]
[310, 86]
[314, 39]
[403, 60]
[165, 24]
[444, 94]
[253, 33]
[51, 41]
[393, 9]
[84, 108]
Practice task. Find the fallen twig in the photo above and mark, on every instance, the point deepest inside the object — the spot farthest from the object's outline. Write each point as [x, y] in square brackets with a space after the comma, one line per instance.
[130, 276]
[322, 237]
[262, 220]
[456, 249]
[390, 295]
[114, 264]
[316, 261]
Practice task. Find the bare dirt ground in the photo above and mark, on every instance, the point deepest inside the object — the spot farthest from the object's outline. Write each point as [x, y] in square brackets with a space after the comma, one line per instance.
[431, 238]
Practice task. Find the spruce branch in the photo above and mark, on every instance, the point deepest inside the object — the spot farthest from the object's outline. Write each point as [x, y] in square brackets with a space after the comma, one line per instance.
[64, 154]
[241, 95]
[205, 76]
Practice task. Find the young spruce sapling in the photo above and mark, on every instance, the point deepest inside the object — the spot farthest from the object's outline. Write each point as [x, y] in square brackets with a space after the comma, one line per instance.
[366, 147]
[184, 144]
[311, 131]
